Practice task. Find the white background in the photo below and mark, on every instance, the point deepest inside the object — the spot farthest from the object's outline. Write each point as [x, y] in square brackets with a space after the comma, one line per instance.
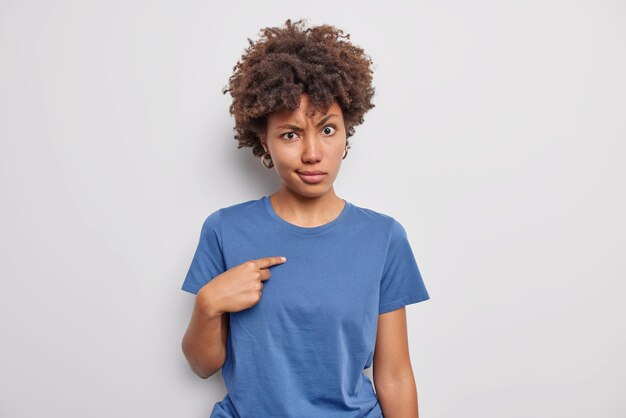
[497, 140]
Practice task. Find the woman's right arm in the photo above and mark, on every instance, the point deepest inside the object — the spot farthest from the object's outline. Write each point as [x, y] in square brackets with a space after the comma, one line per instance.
[238, 288]
[204, 342]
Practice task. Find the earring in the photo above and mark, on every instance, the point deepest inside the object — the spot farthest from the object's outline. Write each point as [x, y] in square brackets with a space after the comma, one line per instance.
[345, 154]
[267, 157]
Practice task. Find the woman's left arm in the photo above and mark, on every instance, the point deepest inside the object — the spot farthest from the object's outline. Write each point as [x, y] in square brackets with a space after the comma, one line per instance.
[392, 371]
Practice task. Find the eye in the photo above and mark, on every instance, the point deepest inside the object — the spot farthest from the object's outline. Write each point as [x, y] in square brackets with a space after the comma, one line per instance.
[283, 136]
[332, 127]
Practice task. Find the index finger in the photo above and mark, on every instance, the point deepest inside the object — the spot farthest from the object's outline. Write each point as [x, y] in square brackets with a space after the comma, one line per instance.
[266, 262]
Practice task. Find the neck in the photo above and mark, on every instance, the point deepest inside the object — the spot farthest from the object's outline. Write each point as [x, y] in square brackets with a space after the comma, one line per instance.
[306, 211]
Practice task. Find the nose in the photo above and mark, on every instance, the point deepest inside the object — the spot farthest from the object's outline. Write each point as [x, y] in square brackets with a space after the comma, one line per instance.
[312, 150]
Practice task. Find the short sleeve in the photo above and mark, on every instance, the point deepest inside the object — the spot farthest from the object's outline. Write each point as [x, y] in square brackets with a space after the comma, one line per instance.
[208, 260]
[401, 282]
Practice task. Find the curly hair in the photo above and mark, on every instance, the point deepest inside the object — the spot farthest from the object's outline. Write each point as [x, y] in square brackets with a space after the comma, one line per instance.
[288, 61]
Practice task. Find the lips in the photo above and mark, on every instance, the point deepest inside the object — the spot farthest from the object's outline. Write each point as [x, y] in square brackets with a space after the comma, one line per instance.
[312, 177]
[316, 172]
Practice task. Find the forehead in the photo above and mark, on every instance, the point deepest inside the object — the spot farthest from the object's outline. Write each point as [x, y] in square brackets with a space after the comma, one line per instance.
[304, 111]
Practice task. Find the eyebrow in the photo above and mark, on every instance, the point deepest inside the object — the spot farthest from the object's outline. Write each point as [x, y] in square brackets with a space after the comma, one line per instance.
[297, 128]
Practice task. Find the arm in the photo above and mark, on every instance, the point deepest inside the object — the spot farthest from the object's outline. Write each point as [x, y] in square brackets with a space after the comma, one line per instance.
[393, 374]
[204, 342]
[234, 290]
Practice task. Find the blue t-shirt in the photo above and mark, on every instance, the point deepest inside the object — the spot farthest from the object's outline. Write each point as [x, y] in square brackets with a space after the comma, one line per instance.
[301, 350]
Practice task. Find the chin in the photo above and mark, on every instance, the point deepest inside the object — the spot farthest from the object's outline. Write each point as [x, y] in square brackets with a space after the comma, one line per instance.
[311, 190]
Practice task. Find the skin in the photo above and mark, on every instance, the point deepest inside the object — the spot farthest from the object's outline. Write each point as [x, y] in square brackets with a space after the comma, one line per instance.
[307, 146]
[392, 370]
[304, 146]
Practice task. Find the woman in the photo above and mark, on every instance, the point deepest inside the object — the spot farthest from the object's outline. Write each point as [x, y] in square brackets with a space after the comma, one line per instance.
[293, 336]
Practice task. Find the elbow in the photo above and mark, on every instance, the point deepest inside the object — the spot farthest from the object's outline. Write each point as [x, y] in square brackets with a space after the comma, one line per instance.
[202, 373]
[206, 372]
[202, 369]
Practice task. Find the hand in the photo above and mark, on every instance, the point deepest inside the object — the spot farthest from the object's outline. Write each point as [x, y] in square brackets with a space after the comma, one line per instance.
[238, 288]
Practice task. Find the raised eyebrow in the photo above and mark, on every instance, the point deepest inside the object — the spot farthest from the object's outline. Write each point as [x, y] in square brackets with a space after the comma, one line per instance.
[324, 119]
[299, 129]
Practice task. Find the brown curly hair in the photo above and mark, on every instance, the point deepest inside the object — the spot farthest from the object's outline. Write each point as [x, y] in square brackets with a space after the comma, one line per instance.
[288, 61]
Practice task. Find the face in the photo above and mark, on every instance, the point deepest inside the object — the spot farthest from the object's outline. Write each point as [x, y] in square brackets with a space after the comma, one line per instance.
[299, 143]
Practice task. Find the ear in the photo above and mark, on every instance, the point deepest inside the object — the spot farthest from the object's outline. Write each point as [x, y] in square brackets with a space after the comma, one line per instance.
[264, 144]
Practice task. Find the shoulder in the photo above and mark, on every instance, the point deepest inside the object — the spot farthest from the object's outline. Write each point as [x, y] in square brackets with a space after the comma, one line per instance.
[374, 218]
[380, 224]
[234, 212]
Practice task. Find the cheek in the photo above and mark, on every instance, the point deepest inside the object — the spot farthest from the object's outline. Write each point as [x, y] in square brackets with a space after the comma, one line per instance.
[339, 149]
[286, 157]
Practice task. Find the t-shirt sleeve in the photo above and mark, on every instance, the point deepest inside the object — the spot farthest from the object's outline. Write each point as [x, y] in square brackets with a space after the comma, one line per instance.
[401, 283]
[208, 260]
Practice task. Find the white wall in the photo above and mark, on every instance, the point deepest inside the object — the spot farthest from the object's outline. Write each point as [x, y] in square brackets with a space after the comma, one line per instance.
[497, 140]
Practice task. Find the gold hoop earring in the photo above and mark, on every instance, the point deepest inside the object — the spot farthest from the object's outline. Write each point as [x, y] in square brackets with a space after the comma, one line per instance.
[267, 157]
